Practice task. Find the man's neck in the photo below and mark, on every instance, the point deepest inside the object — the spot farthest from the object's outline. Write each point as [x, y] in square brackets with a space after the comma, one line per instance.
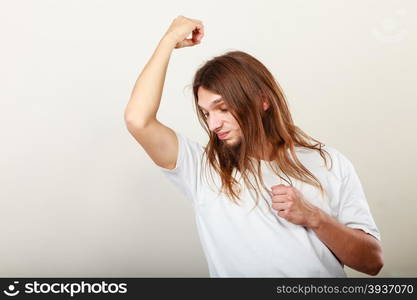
[265, 153]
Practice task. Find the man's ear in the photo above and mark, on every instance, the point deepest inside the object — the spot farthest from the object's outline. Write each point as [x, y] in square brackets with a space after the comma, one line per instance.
[265, 105]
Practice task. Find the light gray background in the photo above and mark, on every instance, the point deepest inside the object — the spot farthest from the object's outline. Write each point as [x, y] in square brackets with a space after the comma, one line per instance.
[80, 197]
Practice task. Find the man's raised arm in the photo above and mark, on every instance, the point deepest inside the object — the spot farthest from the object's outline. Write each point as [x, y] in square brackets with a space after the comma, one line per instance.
[158, 140]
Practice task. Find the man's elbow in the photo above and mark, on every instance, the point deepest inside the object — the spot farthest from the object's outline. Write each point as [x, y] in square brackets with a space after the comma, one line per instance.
[377, 265]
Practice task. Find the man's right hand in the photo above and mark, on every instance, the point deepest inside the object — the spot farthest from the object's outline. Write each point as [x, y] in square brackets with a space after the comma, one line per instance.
[181, 28]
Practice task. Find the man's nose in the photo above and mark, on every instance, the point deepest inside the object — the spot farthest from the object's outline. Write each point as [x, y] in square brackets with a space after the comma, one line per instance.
[214, 123]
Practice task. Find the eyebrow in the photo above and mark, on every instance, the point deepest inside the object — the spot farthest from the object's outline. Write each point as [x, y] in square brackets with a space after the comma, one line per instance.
[213, 103]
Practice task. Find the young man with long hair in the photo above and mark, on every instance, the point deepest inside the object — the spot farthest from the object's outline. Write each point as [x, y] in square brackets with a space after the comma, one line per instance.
[269, 200]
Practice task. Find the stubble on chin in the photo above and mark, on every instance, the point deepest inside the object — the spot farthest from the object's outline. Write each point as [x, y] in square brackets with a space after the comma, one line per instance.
[232, 145]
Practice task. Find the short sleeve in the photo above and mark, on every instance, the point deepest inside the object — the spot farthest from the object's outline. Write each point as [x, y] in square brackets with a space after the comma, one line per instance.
[354, 210]
[186, 174]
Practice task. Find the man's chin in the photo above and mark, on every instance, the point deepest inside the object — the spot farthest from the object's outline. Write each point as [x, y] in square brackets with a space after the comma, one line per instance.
[232, 143]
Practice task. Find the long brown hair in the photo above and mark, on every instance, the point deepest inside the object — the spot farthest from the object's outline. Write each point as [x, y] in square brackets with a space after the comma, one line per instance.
[244, 83]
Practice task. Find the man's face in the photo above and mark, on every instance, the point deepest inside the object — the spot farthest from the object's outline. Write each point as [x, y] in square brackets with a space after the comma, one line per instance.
[218, 117]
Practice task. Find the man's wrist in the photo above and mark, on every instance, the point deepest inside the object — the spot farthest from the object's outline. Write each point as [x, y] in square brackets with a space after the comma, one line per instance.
[168, 41]
[317, 218]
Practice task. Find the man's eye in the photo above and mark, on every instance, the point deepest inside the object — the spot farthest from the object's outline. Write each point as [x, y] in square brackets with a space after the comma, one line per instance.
[224, 110]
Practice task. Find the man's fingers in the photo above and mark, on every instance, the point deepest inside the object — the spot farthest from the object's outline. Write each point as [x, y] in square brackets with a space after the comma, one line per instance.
[198, 33]
[186, 43]
[280, 206]
[279, 189]
[279, 199]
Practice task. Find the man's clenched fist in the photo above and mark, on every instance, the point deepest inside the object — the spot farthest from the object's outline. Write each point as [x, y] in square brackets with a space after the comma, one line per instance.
[290, 205]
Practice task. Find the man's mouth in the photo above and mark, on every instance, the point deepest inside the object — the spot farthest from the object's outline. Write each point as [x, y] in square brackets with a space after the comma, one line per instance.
[223, 135]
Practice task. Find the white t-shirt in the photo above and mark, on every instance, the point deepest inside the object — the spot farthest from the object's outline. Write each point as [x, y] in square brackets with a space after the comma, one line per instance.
[238, 242]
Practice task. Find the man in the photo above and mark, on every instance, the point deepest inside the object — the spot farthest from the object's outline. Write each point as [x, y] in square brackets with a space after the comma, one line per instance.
[311, 226]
